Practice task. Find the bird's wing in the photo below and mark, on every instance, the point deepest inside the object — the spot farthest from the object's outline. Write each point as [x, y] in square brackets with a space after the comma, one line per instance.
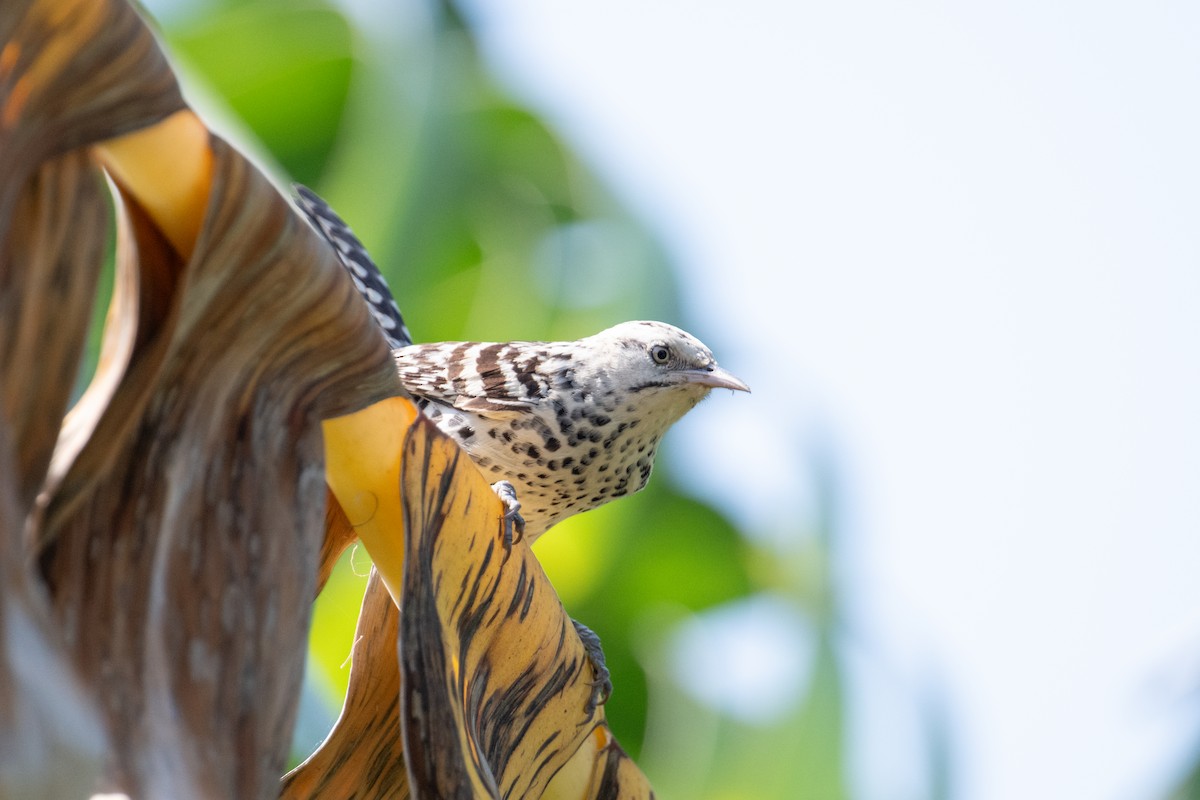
[484, 377]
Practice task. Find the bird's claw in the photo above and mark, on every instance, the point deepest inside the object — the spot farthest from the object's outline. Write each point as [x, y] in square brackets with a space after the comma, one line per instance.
[602, 682]
[512, 512]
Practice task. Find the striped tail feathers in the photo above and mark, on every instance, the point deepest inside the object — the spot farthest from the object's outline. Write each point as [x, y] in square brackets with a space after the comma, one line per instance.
[367, 277]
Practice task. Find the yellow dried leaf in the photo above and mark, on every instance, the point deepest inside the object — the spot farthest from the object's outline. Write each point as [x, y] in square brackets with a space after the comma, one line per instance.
[496, 685]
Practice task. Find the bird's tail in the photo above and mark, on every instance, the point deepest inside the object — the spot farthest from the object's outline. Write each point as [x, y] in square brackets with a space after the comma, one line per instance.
[354, 257]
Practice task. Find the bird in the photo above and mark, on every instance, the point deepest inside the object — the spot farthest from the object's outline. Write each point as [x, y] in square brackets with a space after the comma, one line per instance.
[571, 425]
[562, 427]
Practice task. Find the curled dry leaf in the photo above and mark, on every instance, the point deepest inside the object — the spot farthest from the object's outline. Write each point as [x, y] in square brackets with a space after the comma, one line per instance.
[495, 682]
[53, 233]
[194, 510]
[180, 526]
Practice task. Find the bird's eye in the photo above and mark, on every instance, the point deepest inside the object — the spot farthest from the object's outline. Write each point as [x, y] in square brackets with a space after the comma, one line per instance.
[660, 354]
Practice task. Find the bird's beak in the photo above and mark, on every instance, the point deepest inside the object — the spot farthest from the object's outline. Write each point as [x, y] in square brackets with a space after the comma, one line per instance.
[715, 377]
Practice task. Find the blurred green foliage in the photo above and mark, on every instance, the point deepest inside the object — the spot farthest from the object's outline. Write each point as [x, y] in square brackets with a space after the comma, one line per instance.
[256, 56]
[489, 227]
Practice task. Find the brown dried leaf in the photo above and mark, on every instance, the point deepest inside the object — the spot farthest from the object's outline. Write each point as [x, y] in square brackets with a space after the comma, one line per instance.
[192, 516]
[49, 263]
[74, 72]
[181, 530]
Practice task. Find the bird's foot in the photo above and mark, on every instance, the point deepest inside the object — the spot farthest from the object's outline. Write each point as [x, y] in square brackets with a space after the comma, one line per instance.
[602, 682]
[512, 512]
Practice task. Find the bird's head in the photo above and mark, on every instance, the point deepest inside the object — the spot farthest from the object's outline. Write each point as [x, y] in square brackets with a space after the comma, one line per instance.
[654, 363]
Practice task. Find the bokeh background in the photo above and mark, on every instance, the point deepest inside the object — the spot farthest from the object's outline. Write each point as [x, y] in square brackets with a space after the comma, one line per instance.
[948, 548]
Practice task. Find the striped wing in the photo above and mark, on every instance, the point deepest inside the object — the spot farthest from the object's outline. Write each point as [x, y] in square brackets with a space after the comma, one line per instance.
[478, 376]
